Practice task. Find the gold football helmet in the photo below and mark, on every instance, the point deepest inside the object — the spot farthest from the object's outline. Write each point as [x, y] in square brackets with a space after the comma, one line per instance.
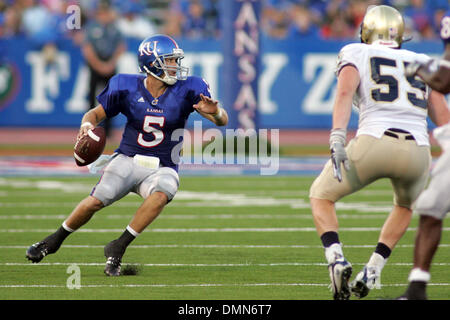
[384, 25]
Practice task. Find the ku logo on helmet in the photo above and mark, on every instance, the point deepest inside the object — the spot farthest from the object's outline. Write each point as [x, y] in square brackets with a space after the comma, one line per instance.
[145, 48]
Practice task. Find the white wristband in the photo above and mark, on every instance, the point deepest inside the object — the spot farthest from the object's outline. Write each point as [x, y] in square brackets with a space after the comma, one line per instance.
[87, 123]
[218, 115]
[338, 136]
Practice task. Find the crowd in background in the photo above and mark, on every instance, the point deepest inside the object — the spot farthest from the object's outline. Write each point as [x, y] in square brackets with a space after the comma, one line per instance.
[104, 25]
[44, 20]
[341, 19]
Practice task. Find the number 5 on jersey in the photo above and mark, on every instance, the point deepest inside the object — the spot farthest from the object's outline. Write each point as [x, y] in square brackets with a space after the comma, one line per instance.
[417, 89]
[158, 134]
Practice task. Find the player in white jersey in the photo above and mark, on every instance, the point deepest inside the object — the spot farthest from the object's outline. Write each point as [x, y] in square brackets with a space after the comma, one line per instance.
[391, 142]
[434, 203]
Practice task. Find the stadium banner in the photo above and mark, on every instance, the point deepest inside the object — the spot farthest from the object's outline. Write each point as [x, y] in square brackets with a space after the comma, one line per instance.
[295, 89]
[241, 58]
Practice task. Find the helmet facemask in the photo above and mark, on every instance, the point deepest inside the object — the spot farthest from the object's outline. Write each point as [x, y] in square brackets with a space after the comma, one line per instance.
[169, 74]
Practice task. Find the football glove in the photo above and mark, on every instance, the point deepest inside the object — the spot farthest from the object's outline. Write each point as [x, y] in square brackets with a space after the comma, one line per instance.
[412, 68]
[338, 153]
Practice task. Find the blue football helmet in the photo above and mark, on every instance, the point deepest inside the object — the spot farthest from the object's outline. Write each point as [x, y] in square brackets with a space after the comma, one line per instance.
[152, 53]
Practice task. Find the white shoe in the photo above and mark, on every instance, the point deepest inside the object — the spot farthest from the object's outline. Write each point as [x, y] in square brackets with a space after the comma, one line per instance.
[369, 278]
[340, 272]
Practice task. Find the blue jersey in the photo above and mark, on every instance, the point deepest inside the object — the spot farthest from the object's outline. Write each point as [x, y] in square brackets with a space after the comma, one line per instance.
[150, 121]
[445, 28]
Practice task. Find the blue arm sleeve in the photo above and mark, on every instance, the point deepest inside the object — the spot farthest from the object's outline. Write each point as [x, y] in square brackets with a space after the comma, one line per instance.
[198, 86]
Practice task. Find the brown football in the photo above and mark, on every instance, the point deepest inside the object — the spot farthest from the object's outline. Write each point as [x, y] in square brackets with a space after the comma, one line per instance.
[90, 147]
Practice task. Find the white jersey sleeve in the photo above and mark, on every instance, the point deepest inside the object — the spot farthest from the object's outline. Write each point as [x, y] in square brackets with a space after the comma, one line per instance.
[351, 54]
[385, 97]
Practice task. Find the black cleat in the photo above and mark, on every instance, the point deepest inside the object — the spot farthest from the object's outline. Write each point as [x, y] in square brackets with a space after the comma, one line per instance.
[37, 251]
[416, 291]
[113, 254]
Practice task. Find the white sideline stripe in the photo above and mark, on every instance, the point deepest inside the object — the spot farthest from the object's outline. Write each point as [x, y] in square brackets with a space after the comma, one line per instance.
[194, 230]
[220, 246]
[278, 264]
[197, 285]
[224, 216]
[86, 188]
[199, 216]
[229, 202]
[169, 285]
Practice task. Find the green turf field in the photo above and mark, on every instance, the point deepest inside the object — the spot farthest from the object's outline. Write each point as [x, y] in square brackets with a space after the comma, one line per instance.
[221, 238]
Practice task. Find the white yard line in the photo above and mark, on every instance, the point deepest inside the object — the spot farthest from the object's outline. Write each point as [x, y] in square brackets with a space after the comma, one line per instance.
[364, 207]
[168, 285]
[197, 230]
[198, 285]
[275, 264]
[213, 200]
[224, 216]
[217, 246]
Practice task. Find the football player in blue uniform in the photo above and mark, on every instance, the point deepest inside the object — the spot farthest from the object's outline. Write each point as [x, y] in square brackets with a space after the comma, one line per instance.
[436, 73]
[155, 105]
[434, 203]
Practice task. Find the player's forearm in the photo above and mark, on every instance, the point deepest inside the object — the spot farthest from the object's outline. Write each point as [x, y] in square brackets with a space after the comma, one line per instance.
[94, 116]
[438, 80]
[348, 81]
[437, 109]
[342, 111]
[89, 118]
[221, 117]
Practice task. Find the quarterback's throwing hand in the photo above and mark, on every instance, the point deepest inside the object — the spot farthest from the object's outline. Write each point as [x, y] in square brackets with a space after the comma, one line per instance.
[84, 128]
[207, 105]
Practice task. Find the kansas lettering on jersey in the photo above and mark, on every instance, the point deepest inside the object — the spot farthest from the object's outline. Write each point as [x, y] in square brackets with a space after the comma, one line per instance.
[386, 98]
[151, 122]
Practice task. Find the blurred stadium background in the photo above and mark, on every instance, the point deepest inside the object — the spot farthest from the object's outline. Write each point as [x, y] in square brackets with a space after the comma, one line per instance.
[44, 91]
[44, 77]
